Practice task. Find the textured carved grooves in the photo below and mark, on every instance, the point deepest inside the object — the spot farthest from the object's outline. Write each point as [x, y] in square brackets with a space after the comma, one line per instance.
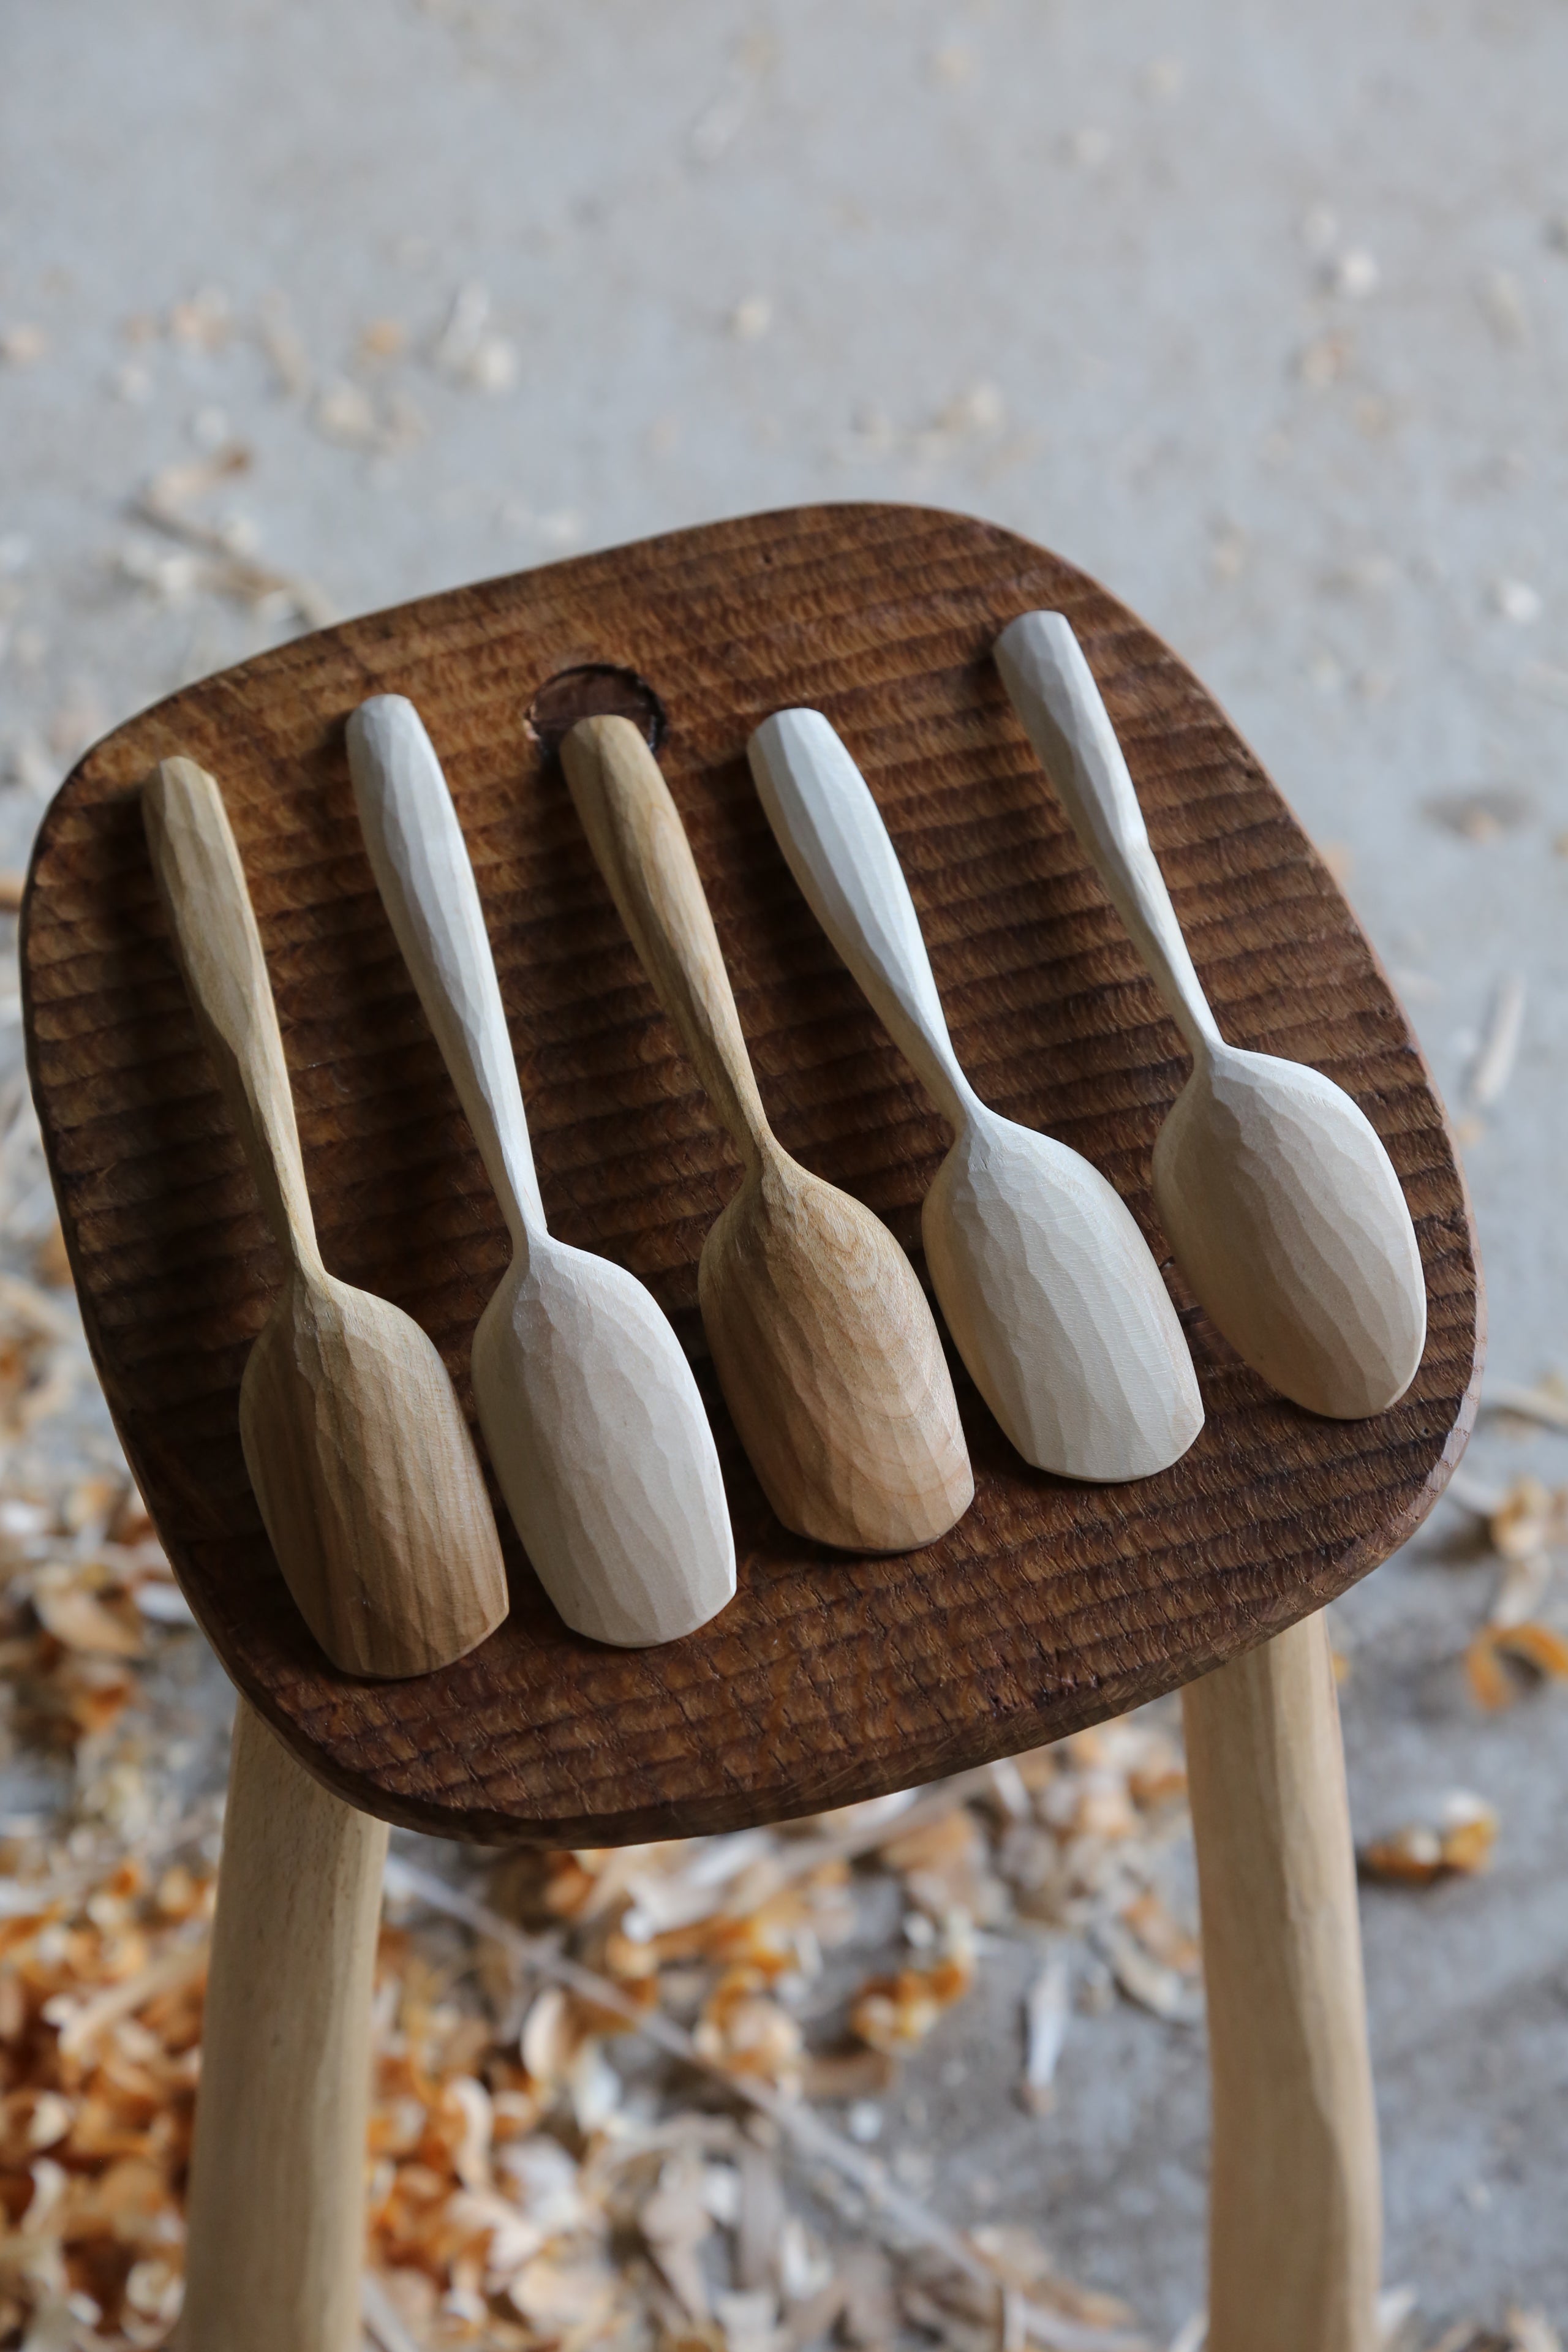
[1050, 1604]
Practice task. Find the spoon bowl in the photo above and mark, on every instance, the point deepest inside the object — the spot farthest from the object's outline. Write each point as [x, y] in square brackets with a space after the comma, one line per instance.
[365, 1476]
[1056, 1307]
[1290, 1223]
[830, 1362]
[571, 1342]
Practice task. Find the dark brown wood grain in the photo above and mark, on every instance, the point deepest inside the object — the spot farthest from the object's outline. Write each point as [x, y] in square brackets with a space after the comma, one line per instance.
[1050, 1605]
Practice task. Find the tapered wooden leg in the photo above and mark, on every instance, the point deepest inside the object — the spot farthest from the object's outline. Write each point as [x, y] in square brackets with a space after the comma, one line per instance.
[277, 2201]
[1295, 2216]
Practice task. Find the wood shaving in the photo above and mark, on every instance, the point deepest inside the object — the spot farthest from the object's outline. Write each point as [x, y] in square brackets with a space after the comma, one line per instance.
[1419, 1855]
[223, 572]
[1540, 1649]
[1503, 306]
[1521, 2331]
[905, 2217]
[468, 350]
[1498, 1050]
[1546, 1402]
[383, 338]
[894, 2013]
[1525, 1523]
[284, 347]
[205, 320]
[1047, 2008]
[1527, 1518]
[23, 345]
[1483, 814]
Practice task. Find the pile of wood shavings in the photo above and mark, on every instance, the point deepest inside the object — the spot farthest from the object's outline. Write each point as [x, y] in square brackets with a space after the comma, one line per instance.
[1525, 1525]
[520, 2192]
[529, 2182]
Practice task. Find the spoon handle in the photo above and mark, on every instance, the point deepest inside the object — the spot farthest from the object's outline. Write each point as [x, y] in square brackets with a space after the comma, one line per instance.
[831, 832]
[201, 884]
[1052, 690]
[426, 882]
[635, 832]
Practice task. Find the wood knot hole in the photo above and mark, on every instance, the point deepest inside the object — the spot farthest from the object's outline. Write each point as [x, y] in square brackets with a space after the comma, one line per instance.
[594, 691]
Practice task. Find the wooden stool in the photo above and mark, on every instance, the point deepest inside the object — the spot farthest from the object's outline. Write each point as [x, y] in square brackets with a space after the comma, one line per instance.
[829, 1679]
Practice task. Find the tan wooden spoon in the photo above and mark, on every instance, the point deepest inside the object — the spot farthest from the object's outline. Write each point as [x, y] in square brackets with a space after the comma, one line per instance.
[593, 1419]
[1280, 1203]
[822, 1338]
[362, 1465]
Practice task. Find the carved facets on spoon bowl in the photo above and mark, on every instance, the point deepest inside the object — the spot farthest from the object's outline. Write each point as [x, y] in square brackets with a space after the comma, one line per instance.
[1057, 1305]
[368, 1482]
[627, 1527]
[831, 1365]
[1288, 1220]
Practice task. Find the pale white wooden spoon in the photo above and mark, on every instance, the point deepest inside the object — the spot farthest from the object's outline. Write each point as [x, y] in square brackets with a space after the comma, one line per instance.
[588, 1406]
[1048, 1286]
[1280, 1203]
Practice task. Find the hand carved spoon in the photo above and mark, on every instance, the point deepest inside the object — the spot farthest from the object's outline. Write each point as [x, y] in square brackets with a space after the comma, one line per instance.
[362, 1465]
[1279, 1200]
[823, 1341]
[588, 1405]
[1047, 1283]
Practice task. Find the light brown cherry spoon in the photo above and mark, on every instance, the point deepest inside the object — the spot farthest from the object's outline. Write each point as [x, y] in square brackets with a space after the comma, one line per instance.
[822, 1338]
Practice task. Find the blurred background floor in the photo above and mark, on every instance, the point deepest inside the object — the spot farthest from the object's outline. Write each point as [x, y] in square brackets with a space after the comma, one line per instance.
[1260, 315]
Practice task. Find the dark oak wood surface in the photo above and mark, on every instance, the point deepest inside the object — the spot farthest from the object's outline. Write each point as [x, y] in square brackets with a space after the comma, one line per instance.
[1050, 1605]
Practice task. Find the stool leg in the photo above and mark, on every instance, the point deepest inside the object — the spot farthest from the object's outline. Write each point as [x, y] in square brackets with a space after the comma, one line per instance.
[276, 2200]
[1295, 2214]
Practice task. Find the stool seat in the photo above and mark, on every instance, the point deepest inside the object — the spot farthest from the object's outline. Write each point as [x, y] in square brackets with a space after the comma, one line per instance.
[829, 1679]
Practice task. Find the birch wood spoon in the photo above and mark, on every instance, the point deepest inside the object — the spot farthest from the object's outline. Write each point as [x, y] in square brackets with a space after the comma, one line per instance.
[823, 1341]
[362, 1465]
[1047, 1283]
[1280, 1203]
[588, 1405]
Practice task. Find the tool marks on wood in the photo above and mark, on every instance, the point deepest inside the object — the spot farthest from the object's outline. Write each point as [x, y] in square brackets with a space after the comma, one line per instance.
[831, 1365]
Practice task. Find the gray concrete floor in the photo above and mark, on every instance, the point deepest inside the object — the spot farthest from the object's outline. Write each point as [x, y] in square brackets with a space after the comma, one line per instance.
[1260, 314]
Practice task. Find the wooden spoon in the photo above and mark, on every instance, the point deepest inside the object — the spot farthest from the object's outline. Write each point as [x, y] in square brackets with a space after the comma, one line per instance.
[1279, 1200]
[1047, 1283]
[823, 1341]
[588, 1406]
[361, 1462]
